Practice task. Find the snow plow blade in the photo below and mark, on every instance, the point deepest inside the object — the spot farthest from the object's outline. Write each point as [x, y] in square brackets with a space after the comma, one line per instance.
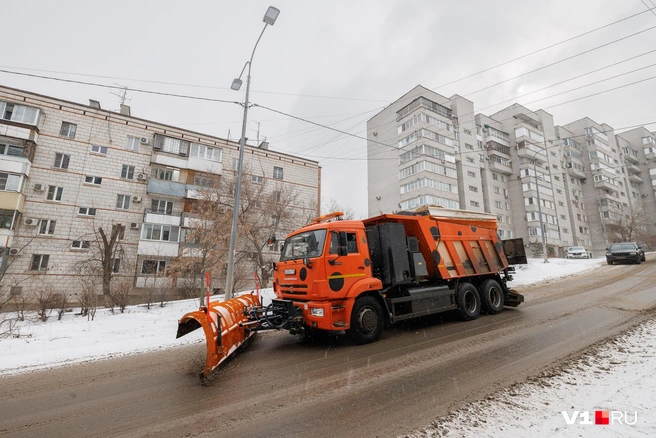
[225, 327]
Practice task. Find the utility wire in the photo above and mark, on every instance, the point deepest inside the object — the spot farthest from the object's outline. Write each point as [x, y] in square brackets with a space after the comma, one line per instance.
[543, 49]
[561, 61]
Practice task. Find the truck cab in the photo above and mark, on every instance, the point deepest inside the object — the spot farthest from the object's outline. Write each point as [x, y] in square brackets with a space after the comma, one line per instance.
[322, 268]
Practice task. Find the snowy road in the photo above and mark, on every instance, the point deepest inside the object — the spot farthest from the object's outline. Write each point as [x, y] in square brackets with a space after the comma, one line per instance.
[281, 387]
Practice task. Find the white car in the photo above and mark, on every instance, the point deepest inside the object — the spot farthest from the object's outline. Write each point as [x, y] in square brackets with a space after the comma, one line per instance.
[577, 252]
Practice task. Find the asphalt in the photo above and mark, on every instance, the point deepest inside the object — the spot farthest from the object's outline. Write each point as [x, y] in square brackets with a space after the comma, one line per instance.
[283, 386]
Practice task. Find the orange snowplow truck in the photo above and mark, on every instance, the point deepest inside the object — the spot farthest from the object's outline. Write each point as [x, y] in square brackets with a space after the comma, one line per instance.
[359, 276]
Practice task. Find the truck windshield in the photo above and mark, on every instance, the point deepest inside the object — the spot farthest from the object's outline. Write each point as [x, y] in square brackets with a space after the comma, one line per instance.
[302, 245]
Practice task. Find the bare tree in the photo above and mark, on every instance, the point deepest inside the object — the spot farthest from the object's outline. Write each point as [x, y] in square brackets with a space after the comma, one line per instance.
[120, 295]
[61, 305]
[104, 251]
[88, 297]
[333, 205]
[628, 226]
[45, 301]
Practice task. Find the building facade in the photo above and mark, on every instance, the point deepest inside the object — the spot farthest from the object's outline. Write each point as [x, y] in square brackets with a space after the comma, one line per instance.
[571, 184]
[67, 170]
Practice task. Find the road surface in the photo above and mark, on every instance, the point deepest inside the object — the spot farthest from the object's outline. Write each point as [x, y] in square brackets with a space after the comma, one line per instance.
[281, 386]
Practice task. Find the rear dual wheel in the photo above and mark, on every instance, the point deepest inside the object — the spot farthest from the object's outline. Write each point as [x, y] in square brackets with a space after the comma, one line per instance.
[468, 301]
[491, 297]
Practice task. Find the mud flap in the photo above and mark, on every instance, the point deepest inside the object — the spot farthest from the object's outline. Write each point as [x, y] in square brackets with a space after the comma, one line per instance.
[513, 299]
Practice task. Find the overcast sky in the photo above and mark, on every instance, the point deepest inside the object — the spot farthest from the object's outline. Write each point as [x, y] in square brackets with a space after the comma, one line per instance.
[333, 62]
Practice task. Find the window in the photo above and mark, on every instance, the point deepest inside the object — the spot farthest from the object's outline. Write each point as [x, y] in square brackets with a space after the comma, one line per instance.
[19, 113]
[127, 172]
[165, 174]
[47, 227]
[116, 266]
[11, 149]
[351, 243]
[61, 161]
[9, 182]
[162, 207]
[206, 180]
[497, 191]
[472, 174]
[120, 234]
[86, 211]
[470, 160]
[123, 202]
[153, 267]
[39, 262]
[473, 189]
[277, 172]
[277, 196]
[235, 163]
[495, 176]
[167, 233]
[54, 193]
[498, 204]
[80, 244]
[474, 203]
[205, 152]
[7, 218]
[257, 179]
[133, 143]
[99, 149]
[68, 130]
[94, 180]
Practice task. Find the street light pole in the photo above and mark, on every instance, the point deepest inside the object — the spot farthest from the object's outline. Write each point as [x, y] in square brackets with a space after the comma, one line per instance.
[269, 19]
[542, 230]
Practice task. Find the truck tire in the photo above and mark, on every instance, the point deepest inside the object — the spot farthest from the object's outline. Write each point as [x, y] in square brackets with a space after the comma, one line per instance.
[468, 301]
[366, 320]
[491, 297]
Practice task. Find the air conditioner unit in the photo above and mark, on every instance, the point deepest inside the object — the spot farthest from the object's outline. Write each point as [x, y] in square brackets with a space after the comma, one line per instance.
[38, 187]
[142, 176]
[31, 222]
[14, 251]
[134, 226]
[136, 199]
[145, 140]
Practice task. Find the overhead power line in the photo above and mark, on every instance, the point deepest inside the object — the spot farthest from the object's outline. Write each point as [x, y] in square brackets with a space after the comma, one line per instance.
[544, 48]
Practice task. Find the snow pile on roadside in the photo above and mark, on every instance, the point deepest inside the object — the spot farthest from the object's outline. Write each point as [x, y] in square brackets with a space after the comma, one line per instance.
[536, 271]
[617, 376]
[74, 339]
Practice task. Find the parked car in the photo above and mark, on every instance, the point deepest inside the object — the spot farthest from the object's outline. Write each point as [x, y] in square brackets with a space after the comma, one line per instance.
[629, 252]
[577, 252]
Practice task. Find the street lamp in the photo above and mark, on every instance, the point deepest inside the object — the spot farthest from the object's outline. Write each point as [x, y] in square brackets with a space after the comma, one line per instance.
[537, 191]
[269, 19]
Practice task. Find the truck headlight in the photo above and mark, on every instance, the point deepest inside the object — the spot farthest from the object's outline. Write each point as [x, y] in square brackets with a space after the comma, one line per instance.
[634, 253]
[608, 254]
[316, 311]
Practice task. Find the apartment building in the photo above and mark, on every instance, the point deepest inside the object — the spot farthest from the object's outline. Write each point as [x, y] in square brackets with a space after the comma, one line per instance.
[412, 151]
[68, 169]
[570, 183]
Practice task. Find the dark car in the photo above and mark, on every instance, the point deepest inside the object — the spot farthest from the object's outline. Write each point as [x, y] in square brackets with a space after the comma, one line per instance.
[628, 252]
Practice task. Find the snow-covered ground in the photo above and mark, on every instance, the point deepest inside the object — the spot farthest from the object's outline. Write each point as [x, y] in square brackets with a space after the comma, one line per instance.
[620, 376]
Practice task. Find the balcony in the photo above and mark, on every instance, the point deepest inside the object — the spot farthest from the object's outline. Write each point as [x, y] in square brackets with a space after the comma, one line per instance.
[168, 188]
[635, 179]
[158, 248]
[500, 165]
[12, 201]
[531, 151]
[163, 219]
[576, 173]
[198, 192]
[606, 185]
[630, 158]
[651, 156]
[632, 169]
[499, 149]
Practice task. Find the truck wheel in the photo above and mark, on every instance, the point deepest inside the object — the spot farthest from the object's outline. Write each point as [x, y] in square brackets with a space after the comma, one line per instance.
[468, 301]
[491, 297]
[366, 320]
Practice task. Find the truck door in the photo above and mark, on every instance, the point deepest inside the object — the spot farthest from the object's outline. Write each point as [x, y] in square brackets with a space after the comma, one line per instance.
[344, 270]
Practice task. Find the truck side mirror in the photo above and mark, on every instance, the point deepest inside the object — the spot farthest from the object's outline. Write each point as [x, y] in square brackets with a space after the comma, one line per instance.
[342, 244]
